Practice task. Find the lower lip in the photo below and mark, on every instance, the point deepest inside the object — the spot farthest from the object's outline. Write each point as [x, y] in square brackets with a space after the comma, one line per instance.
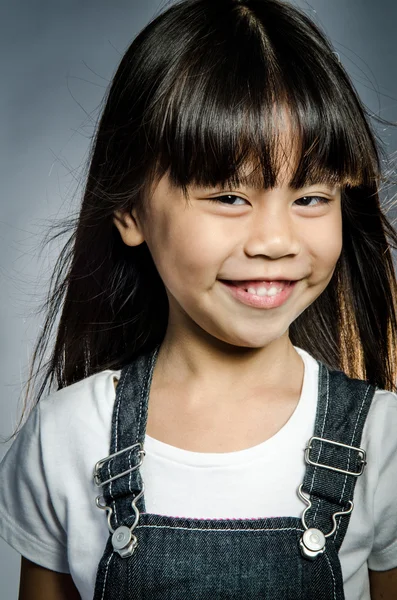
[261, 301]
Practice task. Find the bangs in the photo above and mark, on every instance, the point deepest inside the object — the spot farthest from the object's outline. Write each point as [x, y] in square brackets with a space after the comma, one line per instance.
[262, 88]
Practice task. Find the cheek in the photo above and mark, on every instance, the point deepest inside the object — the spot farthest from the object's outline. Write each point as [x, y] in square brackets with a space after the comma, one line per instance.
[326, 243]
[185, 250]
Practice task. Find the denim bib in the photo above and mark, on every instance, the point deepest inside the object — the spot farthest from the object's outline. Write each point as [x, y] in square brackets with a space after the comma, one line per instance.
[152, 557]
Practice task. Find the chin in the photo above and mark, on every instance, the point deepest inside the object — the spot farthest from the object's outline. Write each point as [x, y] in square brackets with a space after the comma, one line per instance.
[254, 339]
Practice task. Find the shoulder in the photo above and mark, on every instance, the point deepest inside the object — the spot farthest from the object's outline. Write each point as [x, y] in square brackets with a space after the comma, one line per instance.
[75, 430]
[382, 410]
[89, 400]
[380, 441]
[384, 400]
[380, 429]
[382, 413]
[53, 455]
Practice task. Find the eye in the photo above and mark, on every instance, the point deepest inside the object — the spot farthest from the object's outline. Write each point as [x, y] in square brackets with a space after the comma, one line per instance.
[306, 200]
[229, 199]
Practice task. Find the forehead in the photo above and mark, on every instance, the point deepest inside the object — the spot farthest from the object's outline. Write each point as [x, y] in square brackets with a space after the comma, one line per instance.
[288, 151]
[287, 154]
[283, 158]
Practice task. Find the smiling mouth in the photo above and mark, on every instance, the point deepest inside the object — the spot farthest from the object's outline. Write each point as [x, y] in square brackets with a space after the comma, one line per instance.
[261, 294]
[261, 288]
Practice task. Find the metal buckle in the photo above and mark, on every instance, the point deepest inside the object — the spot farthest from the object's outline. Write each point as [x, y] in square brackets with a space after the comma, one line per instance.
[317, 464]
[312, 542]
[101, 462]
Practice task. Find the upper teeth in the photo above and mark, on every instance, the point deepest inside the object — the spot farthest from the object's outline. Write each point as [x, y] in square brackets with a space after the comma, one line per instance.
[263, 291]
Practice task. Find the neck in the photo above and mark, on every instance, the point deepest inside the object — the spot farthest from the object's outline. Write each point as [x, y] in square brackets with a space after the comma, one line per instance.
[214, 365]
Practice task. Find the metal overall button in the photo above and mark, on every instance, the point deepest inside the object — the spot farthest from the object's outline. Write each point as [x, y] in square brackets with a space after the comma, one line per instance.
[123, 541]
[312, 542]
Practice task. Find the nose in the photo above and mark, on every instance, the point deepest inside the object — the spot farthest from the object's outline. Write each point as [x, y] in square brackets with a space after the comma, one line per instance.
[274, 236]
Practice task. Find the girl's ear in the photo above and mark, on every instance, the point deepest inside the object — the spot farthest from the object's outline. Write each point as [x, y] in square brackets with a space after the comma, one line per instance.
[129, 228]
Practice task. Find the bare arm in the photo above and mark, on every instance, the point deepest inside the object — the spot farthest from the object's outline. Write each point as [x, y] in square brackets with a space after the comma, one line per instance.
[38, 583]
[383, 584]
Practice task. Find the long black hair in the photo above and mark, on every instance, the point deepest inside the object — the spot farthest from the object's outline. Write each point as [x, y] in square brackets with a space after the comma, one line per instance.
[197, 95]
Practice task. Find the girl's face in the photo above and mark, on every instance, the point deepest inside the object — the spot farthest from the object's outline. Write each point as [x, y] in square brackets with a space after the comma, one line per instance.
[271, 236]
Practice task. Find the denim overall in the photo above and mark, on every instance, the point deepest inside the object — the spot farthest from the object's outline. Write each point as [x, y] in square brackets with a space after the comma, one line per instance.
[153, 557]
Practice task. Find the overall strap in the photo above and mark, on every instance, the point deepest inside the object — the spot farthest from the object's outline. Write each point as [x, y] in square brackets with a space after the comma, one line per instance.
[333, 455]
[118, 474]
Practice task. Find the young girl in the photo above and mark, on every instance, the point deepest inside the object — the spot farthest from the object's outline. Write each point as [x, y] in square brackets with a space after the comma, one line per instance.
[225, 422]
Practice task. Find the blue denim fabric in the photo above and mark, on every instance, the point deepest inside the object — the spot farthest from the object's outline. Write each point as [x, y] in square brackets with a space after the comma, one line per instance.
[206, 559]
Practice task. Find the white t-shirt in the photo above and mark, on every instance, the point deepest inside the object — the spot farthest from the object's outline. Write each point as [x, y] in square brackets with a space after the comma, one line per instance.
[47, 493]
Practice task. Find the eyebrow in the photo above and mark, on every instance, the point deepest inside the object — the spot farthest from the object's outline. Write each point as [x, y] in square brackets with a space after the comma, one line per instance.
[332, 187]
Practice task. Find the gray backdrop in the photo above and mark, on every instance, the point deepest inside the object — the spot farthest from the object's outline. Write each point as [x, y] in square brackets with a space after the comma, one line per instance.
[56, 60]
